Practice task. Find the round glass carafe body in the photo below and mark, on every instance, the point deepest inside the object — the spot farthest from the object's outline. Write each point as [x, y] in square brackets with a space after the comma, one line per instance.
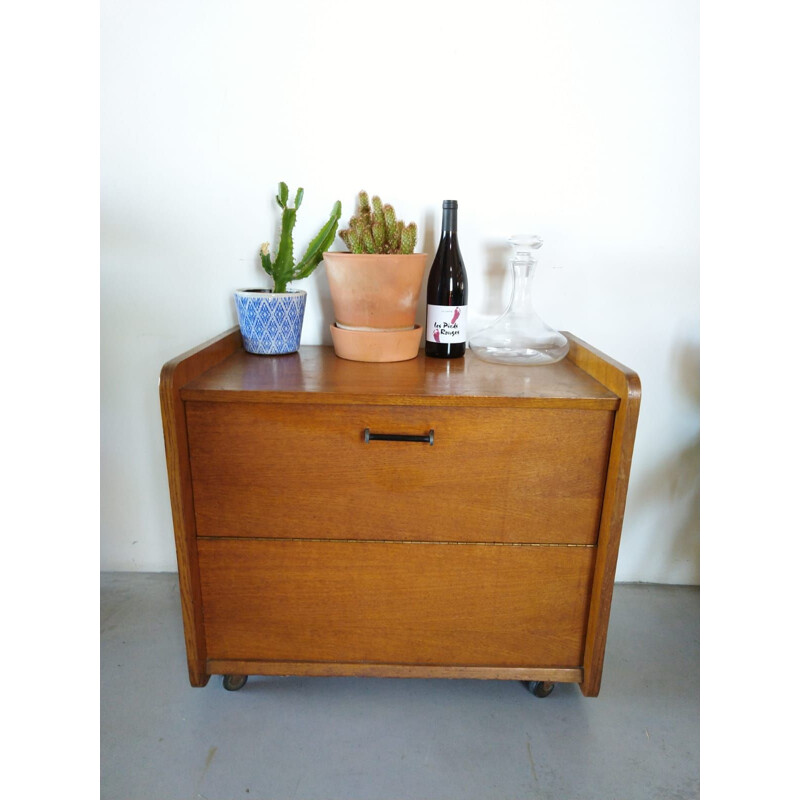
[519, 335]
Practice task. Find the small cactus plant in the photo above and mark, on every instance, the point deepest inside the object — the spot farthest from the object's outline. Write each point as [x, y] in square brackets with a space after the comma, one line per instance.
[376, 229]
[283, 269]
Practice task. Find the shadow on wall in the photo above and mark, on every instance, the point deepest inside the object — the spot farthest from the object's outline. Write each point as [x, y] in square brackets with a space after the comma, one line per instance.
[498, 284]
[428, 245]
[319, 295]
[496, 272]
[675, 483]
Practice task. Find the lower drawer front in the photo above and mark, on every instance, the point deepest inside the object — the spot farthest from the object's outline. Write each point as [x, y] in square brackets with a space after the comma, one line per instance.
[395, 603]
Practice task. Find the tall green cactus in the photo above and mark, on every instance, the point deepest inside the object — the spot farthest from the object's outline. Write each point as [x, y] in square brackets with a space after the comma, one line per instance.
[283, 269]
[376, 229]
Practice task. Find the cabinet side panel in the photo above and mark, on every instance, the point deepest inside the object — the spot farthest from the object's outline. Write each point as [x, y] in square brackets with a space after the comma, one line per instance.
[175, 374]
[395, 603]
[625, 383]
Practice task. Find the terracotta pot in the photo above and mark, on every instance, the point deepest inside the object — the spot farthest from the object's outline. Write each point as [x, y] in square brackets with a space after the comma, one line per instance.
[375, 292]
[376, 345]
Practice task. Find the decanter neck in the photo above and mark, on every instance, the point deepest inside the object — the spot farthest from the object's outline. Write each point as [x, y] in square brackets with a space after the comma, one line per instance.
[521, 290]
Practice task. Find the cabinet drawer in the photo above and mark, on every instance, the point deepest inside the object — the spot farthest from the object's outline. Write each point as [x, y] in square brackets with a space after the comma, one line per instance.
[395, 603]
[492, 474]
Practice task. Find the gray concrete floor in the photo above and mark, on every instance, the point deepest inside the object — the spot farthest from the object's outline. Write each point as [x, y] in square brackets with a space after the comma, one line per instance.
[354, 738]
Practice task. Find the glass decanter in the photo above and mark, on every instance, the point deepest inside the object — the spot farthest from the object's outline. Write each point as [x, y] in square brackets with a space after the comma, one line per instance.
[518, 335]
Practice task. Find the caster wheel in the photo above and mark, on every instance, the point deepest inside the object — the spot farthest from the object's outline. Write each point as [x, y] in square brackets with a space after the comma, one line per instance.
[539, 688]
[233, 682]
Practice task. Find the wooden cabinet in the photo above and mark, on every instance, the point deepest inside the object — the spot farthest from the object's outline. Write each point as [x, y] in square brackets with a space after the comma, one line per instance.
[484, 547]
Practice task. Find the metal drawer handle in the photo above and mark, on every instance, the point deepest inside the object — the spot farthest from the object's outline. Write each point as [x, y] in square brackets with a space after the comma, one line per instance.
[397, 437]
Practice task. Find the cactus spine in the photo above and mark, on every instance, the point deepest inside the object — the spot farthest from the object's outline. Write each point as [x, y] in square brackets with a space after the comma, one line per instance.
[375, 229]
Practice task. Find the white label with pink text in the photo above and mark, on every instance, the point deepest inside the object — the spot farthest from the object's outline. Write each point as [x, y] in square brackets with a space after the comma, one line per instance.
[446, 324]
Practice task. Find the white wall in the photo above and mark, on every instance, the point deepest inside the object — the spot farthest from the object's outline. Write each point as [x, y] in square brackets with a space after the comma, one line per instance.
[573, 119]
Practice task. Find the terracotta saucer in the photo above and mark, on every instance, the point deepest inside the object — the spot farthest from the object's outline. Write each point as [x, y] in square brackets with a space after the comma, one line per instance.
[376, 345]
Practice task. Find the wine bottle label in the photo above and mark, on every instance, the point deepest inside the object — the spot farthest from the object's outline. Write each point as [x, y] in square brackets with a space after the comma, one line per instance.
[446, 324]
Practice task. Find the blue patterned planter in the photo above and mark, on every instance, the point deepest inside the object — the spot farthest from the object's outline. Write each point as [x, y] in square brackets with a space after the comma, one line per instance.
[270, 323]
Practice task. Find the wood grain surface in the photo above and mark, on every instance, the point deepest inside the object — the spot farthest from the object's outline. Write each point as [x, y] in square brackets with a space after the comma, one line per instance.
[174, 374]
[492, 474]
[316, 375]
[423, 604]
[625, 384]
[336, 668]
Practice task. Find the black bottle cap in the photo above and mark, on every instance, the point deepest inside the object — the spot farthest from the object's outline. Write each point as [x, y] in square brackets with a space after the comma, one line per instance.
[450, 204]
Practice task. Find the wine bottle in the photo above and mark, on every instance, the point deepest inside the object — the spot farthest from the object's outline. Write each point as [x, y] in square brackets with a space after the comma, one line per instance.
[446, 329]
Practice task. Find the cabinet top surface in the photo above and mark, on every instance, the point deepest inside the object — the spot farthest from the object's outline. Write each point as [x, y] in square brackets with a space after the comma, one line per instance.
[316, 374]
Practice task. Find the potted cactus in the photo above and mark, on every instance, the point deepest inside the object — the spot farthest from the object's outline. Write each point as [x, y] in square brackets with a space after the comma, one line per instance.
[375, 286]
[271, 320]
